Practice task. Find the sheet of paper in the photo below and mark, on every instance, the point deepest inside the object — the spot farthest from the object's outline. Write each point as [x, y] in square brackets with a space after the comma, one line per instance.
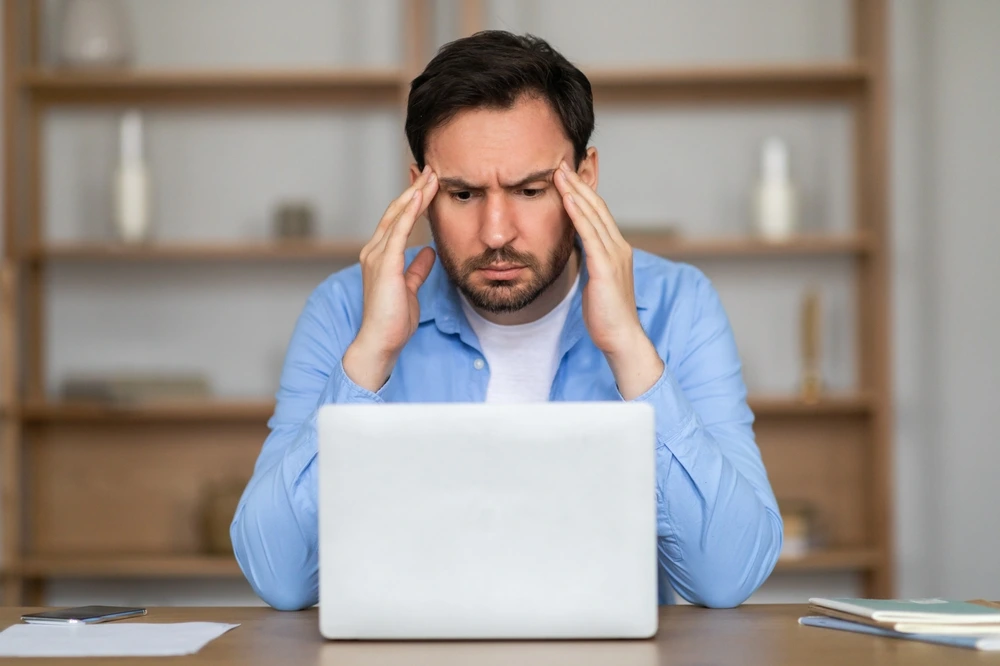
[139, 639]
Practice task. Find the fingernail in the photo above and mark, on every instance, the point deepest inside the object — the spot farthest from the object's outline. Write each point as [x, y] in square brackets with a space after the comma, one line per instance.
[432, 178]
[564, 166]
[427, 167]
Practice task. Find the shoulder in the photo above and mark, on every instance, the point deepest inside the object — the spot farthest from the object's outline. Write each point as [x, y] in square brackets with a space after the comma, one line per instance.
[662, 284]
[342, 292]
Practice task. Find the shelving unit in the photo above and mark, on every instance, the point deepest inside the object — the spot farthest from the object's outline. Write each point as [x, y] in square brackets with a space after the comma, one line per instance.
[836, 453]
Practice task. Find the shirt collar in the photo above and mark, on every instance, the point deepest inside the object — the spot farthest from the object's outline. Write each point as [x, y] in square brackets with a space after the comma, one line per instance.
[439, 299]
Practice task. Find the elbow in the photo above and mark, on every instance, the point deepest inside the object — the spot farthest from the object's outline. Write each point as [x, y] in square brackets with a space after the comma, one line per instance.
[729, 580]
[282, 592]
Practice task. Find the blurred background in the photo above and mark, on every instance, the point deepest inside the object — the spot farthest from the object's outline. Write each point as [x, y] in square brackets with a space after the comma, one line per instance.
[180, 175]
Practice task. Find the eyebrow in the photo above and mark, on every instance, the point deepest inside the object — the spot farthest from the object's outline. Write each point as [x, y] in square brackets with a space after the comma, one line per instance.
[462, 184]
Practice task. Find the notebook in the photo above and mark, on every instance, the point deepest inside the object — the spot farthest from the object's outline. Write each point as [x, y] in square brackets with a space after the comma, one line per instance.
[973, 629]
[920, 611]
[987, 643]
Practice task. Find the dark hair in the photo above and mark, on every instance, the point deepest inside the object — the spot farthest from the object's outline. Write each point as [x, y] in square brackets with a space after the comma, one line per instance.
[493, 69]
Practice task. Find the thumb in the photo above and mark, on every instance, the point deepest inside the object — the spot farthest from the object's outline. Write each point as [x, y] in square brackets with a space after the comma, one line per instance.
[419, 269]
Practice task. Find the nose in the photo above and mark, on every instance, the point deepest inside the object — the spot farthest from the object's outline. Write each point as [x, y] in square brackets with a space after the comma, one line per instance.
[496, 226]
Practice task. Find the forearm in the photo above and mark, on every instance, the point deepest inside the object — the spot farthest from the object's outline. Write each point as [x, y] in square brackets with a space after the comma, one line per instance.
[274, 531]
[720, 532]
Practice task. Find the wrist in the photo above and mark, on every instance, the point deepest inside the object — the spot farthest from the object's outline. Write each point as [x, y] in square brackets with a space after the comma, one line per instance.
[367, 365]
[636, 367]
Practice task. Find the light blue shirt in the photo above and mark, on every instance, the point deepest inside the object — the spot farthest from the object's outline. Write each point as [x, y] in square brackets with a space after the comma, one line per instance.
[718, 523]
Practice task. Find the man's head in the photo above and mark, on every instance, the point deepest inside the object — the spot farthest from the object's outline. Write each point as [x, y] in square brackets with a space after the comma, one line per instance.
[493, 115]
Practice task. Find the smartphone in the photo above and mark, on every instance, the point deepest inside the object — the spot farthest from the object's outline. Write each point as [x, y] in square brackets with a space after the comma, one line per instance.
[83, 615]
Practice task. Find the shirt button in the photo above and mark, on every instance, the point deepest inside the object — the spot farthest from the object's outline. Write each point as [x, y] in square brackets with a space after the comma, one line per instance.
[478, 364]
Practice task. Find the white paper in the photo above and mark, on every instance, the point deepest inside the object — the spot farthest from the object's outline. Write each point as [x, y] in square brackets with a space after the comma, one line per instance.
[140, 639]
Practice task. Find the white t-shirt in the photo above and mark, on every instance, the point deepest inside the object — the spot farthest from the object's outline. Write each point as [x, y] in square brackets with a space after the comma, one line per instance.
[523, 358]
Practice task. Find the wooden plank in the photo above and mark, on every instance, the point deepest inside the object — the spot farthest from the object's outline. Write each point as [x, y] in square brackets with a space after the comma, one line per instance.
[473, 17]
[871, 172]
[764, 406]
[823, 461]
[115, 566]
[215, 410]
[326, 250]
[680, 247]
[348, 250]
[104, 489]
[375, 86]
[857, 559]
[822, 82]
[792, 406]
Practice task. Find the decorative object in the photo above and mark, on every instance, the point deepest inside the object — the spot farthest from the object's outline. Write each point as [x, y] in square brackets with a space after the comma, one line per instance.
[775, 201]
[94, 34]
[812, 380]
[131, 389]
[798, 518]
[218, 510]
[294, 219]
[131, 186]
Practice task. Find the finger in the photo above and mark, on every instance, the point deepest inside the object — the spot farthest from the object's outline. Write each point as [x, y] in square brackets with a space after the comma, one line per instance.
[583, 216]
[419, 269]
[586, 192]
[429, 191]
[412, 206]
[395, 237]
[395, 208]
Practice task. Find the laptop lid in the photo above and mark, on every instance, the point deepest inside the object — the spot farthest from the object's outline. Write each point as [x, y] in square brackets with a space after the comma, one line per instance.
[454, 521]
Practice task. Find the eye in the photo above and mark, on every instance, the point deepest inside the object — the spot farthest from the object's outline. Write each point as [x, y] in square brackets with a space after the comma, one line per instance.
[533, 192]
[462, 196]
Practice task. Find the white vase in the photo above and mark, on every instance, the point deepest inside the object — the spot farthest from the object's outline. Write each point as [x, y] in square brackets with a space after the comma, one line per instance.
[775, 201]
[94, 33]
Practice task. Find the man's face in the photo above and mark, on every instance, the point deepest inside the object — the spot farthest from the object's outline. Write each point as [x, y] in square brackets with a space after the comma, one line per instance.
[498, 221]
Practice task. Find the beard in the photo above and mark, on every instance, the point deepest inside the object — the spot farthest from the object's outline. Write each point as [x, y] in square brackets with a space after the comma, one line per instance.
[505, 296]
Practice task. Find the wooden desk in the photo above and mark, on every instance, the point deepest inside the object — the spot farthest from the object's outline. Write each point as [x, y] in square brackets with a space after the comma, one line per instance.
[759, 634]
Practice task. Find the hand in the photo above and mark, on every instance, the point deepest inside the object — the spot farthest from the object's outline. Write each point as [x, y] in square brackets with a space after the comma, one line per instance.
[391, 309]
[609, 310]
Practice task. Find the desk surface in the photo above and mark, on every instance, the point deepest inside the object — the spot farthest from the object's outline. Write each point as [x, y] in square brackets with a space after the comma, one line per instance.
[753, 634]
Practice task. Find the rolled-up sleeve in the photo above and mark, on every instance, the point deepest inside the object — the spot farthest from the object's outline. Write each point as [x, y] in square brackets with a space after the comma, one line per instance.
[719, 528]
[275, 529]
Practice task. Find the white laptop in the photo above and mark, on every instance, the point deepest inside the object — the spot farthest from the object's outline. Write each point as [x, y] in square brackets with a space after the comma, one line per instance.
[478, 521]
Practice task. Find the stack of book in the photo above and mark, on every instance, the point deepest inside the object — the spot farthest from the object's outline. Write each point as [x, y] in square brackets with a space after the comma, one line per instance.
[969, 624]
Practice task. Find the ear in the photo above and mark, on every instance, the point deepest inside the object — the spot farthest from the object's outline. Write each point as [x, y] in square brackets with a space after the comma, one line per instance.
[588, 168]
[414, 173]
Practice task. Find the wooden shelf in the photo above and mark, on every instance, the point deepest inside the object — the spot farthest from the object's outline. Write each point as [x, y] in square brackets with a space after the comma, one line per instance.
[679, 247]
[831, 405]
[261, 410]
[768, 83]
[218, 565]
[366, 86]
[206, 251]
[833, 560]
[210, 410]
[667, 245]
[818, 81]
[176, 566]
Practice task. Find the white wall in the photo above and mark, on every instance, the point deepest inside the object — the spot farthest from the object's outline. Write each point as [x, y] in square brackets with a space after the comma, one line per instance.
[688, 167]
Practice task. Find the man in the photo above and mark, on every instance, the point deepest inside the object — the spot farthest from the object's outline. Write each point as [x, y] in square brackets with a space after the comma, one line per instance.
[532, 294]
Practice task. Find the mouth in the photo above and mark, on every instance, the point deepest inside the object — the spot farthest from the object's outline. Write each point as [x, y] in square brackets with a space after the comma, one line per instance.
[501, 271]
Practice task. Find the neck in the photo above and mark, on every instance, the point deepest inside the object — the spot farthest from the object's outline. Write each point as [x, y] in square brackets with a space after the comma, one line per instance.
[546, 301]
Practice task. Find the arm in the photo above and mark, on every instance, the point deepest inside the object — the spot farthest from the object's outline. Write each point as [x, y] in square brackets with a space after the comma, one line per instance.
[331, 359]
[275, 529]
[718, 521]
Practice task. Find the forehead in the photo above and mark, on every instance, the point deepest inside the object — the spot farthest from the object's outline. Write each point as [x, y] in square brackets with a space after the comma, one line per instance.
[485, 144]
